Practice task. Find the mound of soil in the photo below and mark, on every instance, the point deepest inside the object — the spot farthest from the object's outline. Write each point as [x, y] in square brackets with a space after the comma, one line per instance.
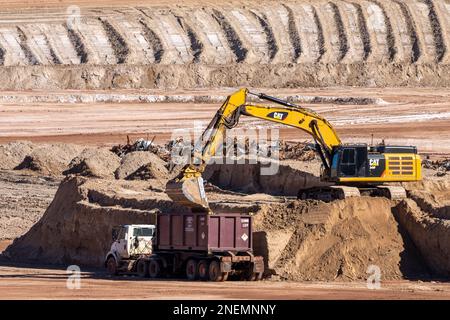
[76, 227]
[141, 165]
[49, 159]
[309, 240]
[100, 163]
[12, 154]
[432, 196]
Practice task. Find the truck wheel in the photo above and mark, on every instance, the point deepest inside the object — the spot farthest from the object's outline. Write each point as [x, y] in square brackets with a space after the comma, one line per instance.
[111, 266]
[214, 271]
[154, 268]
[249, 275]
[191, 270]
[203, 269]
[225, 276]
[142, 268]
[254, 276]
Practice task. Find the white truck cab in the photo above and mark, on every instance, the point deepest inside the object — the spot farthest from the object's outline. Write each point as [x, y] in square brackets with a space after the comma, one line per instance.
[131, 243]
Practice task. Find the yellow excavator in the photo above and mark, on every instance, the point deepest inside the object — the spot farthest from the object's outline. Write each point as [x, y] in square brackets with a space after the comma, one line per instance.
[351, 168]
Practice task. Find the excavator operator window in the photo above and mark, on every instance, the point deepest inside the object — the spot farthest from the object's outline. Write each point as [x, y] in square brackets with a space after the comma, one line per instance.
[348, 162]
[348, 156]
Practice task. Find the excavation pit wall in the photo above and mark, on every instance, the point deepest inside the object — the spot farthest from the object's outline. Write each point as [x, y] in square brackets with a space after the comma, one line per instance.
[286, 179]
[430, 234]
[258, 44]
[193, 76]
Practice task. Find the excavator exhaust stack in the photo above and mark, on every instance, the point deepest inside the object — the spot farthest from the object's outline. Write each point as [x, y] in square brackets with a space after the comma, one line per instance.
[188, 192]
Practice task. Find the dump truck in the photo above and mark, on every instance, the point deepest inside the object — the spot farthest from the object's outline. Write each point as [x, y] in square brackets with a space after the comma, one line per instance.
[197, 245]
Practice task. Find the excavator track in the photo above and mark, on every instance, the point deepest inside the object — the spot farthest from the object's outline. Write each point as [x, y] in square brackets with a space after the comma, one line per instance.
[330, 193]
[392, 192]
[343, 192]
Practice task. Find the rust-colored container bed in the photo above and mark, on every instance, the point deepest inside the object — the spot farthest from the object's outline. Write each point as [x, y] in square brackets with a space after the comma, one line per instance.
[203, 232]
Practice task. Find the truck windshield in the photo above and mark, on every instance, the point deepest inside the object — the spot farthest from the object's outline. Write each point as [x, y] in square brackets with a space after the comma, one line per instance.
[143, 232]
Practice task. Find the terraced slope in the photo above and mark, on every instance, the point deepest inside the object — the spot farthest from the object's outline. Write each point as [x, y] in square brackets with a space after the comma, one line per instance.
[373, 42]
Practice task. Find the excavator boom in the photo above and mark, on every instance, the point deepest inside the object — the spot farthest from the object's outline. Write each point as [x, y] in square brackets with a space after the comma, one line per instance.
[347, 164]
[187, 188]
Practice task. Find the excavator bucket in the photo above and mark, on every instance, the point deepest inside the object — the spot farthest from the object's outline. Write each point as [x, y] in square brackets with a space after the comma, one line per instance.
[188, 192]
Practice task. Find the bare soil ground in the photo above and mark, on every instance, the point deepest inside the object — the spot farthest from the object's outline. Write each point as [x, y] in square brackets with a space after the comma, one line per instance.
[23, 199]
[418, 116]
[40, 282]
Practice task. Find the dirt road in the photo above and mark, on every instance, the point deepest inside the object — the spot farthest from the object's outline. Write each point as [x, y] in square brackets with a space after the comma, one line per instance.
[24, 282]
[409, 116]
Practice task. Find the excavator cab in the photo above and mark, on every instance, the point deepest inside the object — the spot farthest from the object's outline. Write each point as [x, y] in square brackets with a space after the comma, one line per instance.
[374, 164]
[349, 161]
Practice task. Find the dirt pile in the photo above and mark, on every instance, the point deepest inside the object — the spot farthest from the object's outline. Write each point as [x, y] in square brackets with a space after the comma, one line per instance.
[123, 162]
[49, 159]
[76, 227]
[284, 150]
[432, 196]
[141, 165]
[304, 240]
[12, 154]
[100, 163]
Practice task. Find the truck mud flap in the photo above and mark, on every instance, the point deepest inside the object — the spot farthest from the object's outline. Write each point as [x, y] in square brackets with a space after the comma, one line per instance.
[258, 265]
[225, 266]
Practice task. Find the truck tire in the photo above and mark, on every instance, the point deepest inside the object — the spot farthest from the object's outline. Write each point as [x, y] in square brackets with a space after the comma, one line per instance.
[142, 268]
[214, 272]
[203, 269]
[111, 266]
[191, 270]
[225, 276]
[254, 276]
[154, 268]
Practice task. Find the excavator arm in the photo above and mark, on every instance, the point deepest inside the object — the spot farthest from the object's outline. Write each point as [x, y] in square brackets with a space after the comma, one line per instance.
[187, 188]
